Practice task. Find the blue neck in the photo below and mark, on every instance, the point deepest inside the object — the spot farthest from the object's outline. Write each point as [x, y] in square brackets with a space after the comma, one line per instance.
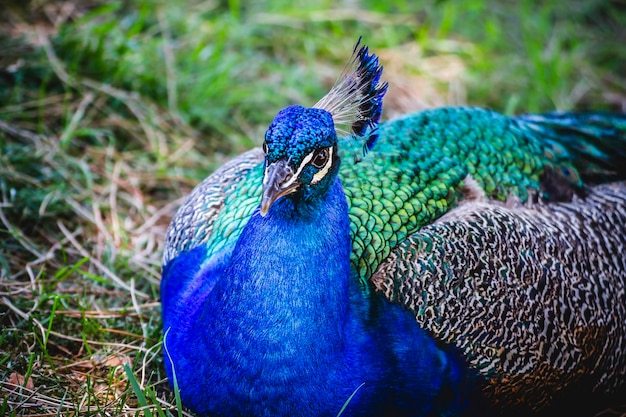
[289, 273]
[277, 318]
[283, 332]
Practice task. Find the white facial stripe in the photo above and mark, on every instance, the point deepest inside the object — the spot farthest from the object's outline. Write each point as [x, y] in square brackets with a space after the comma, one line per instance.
[295, 176]
[320, 175]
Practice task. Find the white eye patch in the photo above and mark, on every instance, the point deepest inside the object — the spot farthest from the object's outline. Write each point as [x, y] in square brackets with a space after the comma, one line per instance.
[295, 176]
[322, 173]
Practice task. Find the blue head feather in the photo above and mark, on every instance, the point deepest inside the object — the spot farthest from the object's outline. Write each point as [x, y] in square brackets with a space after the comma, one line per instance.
[371, 107]
[356, 99]
[296, 131]
[299, 136]
[301, 156]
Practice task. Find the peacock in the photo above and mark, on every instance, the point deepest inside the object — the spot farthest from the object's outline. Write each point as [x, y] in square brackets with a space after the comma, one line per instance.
[451, 262]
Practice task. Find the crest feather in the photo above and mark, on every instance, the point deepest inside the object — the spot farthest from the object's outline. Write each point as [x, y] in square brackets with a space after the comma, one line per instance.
[356, 99]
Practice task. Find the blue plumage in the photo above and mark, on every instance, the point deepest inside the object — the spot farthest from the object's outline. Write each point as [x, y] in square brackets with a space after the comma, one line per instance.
[277, 326]
[296, 129]
[265, 311]
[372, 107]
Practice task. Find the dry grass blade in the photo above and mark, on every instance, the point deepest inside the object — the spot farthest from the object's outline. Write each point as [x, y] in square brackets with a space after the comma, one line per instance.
[110, 274]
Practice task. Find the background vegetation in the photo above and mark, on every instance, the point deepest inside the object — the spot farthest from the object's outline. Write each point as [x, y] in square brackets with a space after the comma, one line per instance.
[110, 112]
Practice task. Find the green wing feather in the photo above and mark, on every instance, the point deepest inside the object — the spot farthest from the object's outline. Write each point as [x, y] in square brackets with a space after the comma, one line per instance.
[218, 208]
[453, 216]
[416, 173]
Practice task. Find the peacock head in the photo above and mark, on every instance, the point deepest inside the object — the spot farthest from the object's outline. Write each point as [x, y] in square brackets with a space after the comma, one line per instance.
[300, 155]
[300, 145]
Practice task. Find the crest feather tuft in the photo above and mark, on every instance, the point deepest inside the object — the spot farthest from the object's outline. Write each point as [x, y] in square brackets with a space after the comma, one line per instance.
[356, 99]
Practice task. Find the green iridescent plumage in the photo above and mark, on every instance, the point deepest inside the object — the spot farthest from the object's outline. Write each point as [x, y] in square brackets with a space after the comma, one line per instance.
[414, 175]
[455, 211]
[453, 261]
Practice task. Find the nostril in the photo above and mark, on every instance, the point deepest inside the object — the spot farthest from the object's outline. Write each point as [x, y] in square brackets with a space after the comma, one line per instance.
[288, 176]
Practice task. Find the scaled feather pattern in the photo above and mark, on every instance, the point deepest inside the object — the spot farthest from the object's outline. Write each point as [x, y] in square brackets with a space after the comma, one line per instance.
[470, 264]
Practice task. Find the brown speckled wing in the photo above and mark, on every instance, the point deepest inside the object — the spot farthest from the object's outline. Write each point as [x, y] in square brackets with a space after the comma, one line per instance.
[533, 295]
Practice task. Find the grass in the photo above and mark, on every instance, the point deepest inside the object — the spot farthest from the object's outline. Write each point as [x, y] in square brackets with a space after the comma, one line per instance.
[110, 113]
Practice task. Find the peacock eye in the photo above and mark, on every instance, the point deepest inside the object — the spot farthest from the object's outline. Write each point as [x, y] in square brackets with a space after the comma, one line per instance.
[265, 147]
[321, 158]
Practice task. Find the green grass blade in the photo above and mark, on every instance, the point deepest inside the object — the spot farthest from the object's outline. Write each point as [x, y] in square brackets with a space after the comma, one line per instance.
[141, 398]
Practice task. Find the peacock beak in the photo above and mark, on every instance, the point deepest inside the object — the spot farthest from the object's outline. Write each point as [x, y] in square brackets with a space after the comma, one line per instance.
[278, 181]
